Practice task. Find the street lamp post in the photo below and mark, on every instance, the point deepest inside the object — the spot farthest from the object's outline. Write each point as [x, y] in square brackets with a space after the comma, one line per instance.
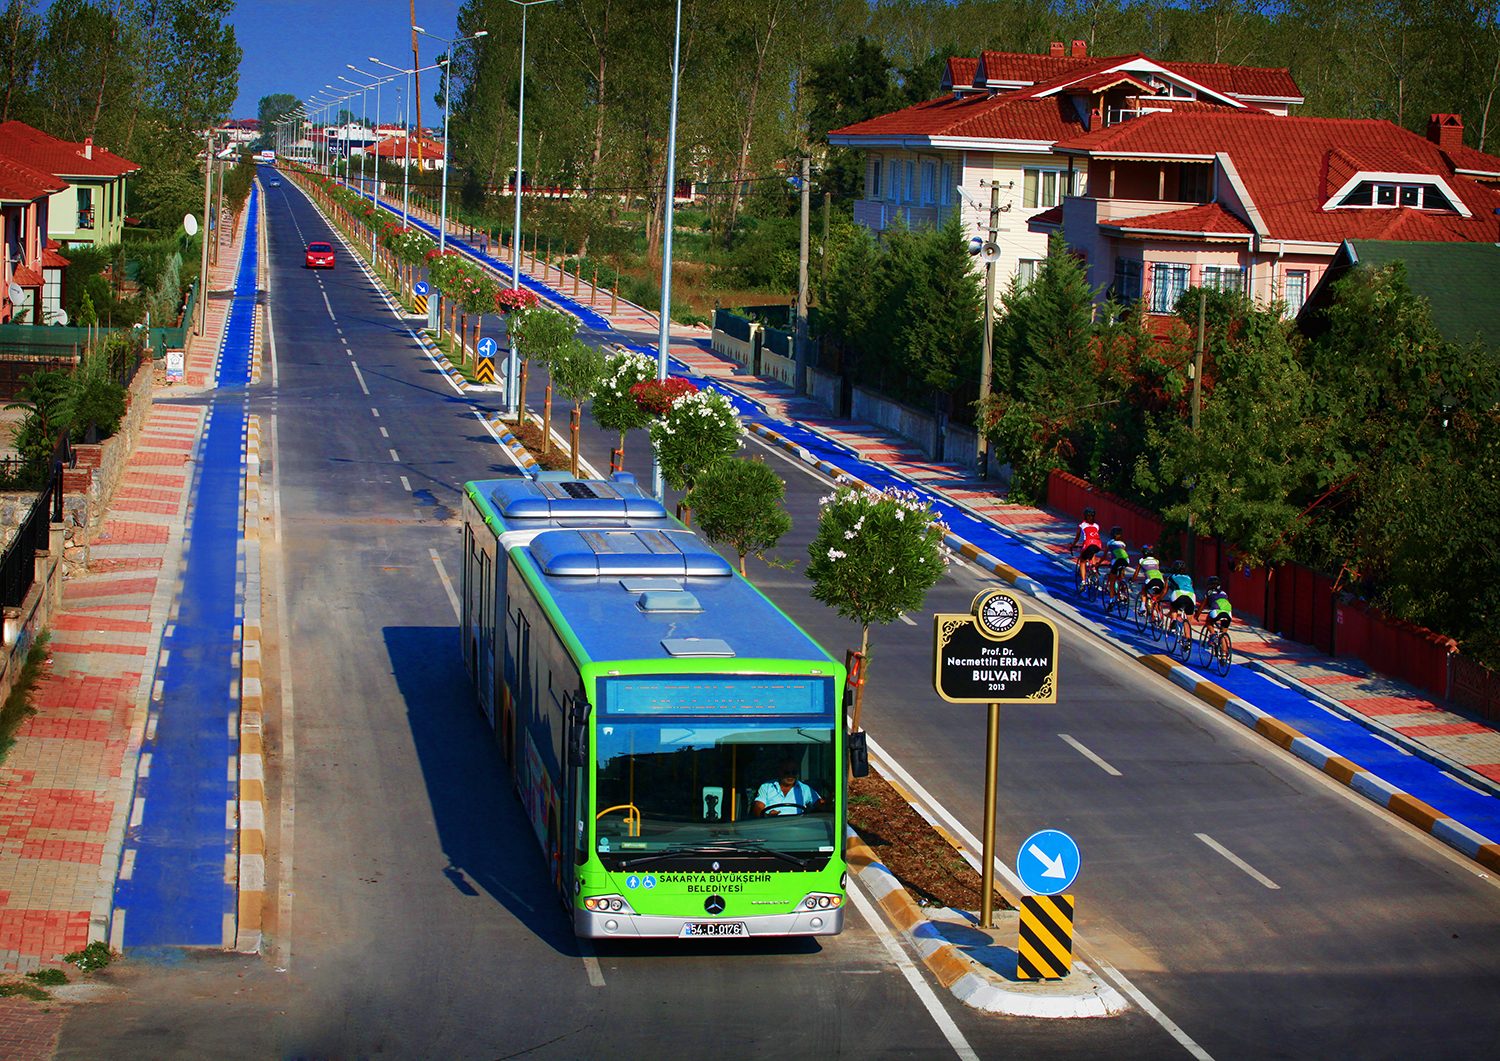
[447, 108]
[664, 337]
[406, 126]
[512, 363]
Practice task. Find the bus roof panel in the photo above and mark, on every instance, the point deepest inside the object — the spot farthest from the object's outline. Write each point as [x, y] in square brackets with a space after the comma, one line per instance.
[520, 499]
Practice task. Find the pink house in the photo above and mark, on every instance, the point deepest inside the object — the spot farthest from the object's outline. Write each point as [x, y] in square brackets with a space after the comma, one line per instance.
[1260, 204]
[30, 265]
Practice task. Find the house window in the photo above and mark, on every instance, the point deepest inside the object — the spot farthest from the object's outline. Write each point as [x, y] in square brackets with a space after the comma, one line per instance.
[1127, 281]
[51, 293]
[1195, 182]
[909, 188]
[929, 183]
[894, 191]
[1043, 187]
[1415, 196]
[1168, 282]
[1026, 270]
[947, 184]
[1295, 291]
[873, 191]
[1224, 278]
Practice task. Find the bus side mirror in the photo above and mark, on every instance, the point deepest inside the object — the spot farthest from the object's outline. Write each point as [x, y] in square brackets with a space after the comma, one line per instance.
[858, 750]
[578, 735]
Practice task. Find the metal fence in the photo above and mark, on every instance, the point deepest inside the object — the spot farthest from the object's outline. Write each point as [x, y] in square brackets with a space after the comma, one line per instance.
[18, 565]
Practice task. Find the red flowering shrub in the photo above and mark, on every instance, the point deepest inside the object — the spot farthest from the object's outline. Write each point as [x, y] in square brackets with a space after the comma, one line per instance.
[509, 300]
[657, 396]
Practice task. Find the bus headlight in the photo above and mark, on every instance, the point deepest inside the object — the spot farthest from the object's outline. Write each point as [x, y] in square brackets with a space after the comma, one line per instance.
[607, 904]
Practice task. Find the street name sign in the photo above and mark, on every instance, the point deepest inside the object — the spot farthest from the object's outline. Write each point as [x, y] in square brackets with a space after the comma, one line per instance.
[994, 654]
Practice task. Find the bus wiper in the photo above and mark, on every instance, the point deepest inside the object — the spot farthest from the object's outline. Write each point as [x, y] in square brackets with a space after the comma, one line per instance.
[725, 847]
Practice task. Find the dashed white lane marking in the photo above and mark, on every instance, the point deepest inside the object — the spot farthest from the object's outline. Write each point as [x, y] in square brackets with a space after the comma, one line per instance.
[384, 433]
[908, 620]
[395, 456]
[1240, 862]
[437, 562]
[591, 963]
[908, 969]
[117, 930]
[127, 864]
[359, 376]
[406, 484]
[375, 412]
[328, 304]
[137, 812]
[1081, 750]
[144, 770]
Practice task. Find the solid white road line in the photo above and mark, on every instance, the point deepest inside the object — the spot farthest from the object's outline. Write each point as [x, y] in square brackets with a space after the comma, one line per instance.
[287, 813]
[1081, 750]
[437, 562]
[1166, 1023]
[1240, 862]
[913, 976]
[591, 962]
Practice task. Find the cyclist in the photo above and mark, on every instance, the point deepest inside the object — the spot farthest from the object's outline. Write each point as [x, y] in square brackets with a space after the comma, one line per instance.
[1148, 570]
[1214, 609]
[1119, 559]
[1184, 598]
[1088, 535]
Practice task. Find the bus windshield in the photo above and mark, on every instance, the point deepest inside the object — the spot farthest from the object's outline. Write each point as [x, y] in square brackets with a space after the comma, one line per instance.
[687, 790]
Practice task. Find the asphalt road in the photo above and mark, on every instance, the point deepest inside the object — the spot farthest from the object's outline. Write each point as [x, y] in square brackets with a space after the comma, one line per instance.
[414, 916]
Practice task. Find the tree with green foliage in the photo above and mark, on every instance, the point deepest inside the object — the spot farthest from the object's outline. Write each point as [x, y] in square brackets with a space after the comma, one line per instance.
[738, 503]
[852, 84]
[576, 370]
[614, 407]
[875, 556]
[699, 430]
[271, 110]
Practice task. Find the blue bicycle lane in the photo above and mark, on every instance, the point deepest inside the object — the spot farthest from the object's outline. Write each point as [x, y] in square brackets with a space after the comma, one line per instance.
[182, 888]
[1425, 780]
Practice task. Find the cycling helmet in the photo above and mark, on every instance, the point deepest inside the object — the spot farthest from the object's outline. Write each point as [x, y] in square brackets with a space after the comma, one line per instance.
[1115, 532]
[1148, 550]
[1178, 567]
[1213, 581]
[1088, 515]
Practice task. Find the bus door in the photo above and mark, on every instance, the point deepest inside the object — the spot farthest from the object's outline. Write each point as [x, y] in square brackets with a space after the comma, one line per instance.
[485, 665]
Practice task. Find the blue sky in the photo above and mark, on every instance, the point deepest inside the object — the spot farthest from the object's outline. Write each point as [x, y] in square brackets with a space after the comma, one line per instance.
[298, 46]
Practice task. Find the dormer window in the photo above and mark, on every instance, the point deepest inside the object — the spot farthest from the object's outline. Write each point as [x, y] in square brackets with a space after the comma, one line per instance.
[1388, 194]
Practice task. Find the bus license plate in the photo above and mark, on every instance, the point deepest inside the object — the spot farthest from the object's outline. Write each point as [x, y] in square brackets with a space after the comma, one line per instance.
[715, 928]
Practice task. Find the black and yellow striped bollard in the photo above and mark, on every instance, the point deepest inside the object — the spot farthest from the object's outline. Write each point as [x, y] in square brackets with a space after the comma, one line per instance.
[1045, 948]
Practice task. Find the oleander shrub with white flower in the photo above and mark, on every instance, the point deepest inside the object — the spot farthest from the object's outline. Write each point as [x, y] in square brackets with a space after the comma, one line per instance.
[699, 430]
[876, 554]
[614, 407]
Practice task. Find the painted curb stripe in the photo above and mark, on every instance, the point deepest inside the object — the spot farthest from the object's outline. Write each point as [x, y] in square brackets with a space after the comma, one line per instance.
[251, 805]
[1374, 788]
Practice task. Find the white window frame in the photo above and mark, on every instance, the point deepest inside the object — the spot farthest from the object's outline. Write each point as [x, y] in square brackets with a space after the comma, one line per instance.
[1214, 277]
[1168, 281]
[1335, 201]
[874, 192]
[929, 182]
[1123, 278]
[1026, 270]
[1305, 276]
[1034, 180]
[945, 178]
[909, 191]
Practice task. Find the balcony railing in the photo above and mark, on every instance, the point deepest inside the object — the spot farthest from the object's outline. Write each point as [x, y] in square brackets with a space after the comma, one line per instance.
[86, 218]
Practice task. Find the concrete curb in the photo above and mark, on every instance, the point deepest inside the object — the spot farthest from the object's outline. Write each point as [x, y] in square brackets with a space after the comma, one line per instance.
[251, 835]
[961, 974]
[521, 454]
[1374, 788]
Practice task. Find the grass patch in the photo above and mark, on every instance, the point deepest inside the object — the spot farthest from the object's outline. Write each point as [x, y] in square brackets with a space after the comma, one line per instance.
[18, 707]
[17, 989]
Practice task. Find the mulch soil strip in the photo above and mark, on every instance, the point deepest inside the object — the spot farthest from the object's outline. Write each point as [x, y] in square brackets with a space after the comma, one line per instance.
[925, 863]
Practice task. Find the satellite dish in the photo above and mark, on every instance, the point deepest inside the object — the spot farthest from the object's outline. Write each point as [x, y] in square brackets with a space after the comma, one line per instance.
[190, 223]
[62, 317]
[975, 245]
[15, 293]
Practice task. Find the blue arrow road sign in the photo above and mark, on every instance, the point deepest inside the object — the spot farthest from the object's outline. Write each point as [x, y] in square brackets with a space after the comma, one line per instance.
[487, 347]
[1048, 862]
[420, 287]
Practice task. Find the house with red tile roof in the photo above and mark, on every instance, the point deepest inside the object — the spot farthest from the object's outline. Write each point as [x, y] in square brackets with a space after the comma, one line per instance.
[994, 133]
[420, 152]
[31, 270]
[1259, 204]
[90, 207]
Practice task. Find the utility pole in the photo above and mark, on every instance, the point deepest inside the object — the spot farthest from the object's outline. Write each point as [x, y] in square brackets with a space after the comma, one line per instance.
[823, 270]
[800, 386]
[416, 63]
[987, 356]
[208, 174]
[219, 212]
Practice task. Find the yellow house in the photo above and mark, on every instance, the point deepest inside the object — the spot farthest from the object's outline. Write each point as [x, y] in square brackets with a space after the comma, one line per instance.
[91, 209]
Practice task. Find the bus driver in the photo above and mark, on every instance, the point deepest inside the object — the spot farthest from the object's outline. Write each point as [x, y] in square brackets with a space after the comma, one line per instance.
[786, 796]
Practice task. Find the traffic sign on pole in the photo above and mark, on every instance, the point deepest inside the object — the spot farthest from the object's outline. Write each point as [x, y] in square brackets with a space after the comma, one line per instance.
[487, 347]
[420, 287]
[1048, 862]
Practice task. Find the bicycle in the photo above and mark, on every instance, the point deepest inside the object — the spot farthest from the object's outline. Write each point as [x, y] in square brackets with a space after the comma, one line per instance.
[1140, 611]
[1120, 598]
[1215, 645]
[1180, 637]
[1086, 582]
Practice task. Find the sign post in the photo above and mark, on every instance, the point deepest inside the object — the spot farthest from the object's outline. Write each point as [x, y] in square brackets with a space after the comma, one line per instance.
[993, 654]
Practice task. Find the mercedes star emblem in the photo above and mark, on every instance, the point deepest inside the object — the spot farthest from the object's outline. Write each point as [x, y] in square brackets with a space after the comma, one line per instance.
[714, 904]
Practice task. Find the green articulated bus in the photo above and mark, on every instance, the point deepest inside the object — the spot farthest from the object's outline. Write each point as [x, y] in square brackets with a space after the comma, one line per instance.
[677, 742]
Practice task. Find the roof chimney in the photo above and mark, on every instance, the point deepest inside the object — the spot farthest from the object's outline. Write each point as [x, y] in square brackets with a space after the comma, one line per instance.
[1446, 130]
[88, 145]
[1057, 49]
[1080, 49]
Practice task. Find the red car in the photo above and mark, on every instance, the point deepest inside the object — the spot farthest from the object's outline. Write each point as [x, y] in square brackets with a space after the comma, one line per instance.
[320, 255]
